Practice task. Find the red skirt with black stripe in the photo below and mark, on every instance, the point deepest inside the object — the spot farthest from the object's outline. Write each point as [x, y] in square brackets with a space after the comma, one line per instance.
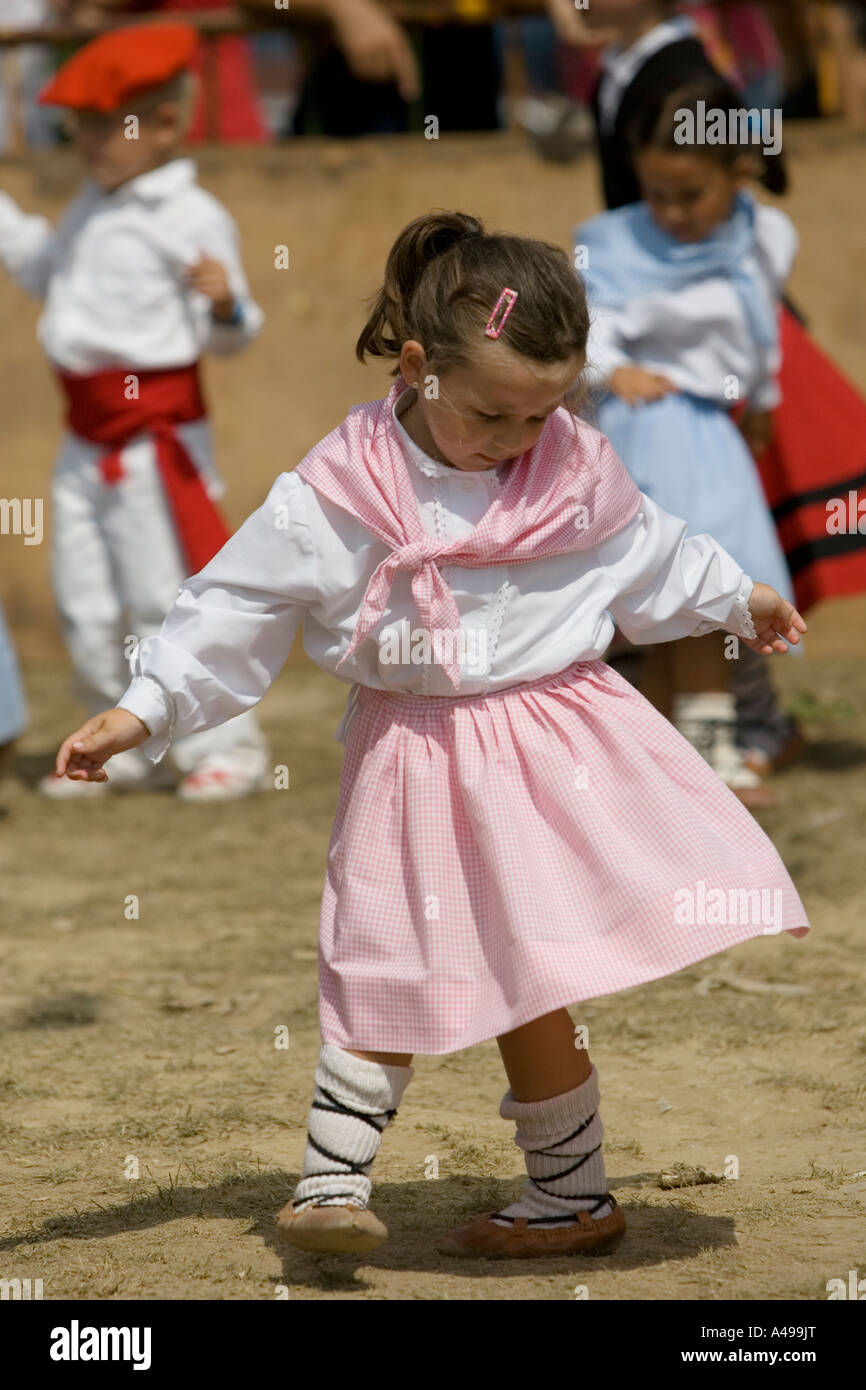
[814, 472]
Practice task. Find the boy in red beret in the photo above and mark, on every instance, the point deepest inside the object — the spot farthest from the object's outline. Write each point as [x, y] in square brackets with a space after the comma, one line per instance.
[142, 275]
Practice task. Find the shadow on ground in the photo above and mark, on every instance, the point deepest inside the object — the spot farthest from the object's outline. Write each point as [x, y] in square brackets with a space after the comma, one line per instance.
[415, 1212]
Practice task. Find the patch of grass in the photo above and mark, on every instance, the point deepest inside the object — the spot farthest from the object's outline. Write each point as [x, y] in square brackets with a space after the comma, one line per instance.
[61, 1011]
[833, 1177]
[58, 1175]
[807, 707]
[627, 1146]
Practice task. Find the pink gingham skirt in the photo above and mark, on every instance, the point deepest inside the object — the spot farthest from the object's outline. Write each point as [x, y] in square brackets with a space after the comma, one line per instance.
[499, 856]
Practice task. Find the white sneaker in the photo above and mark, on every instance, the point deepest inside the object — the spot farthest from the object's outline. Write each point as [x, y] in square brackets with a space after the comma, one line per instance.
[127, 772]
[65, 789]
[222, 781]
[708, 721]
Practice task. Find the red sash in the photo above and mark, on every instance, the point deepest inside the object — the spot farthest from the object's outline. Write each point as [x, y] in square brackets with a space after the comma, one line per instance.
[98, 410]
[817, 457]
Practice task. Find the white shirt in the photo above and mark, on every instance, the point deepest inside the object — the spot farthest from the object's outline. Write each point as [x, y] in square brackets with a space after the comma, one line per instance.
[112, 274]
[699, 336]
[302, 558]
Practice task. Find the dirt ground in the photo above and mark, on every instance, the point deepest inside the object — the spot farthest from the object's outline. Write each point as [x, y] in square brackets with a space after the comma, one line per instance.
[148, 1044]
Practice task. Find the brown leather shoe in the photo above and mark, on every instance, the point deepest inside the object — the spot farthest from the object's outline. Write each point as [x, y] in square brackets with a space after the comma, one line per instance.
[791, 751]
[483, 1239]
[760, 798]
[331, 1230]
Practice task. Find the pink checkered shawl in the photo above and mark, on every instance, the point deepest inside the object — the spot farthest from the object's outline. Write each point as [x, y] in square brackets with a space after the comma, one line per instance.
[568, 493]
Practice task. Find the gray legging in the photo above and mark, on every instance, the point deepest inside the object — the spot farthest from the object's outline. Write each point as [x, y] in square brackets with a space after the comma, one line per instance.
[761, 721]
[13, 712]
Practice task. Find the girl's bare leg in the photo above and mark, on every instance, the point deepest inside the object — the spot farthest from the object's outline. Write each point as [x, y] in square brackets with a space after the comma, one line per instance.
[541, 1059]
[385, 1059]
[553, 1099]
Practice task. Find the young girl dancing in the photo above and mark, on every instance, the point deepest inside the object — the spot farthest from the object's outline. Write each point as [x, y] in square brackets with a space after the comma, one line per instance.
[516, 827]
[684, 289]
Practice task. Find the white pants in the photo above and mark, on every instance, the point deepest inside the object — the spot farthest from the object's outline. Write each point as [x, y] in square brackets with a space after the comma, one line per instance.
[117, 569]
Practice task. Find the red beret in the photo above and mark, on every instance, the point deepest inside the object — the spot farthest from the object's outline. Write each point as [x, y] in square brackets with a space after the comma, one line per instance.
[102, 74]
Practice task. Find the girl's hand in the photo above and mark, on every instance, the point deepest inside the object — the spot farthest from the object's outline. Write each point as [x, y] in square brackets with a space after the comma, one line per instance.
[756, 428]
[777, 622]
[82, 754]
[209, 277]
[636, 384]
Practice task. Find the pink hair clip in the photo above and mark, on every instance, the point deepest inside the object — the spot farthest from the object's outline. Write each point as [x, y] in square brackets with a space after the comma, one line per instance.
[493, 328]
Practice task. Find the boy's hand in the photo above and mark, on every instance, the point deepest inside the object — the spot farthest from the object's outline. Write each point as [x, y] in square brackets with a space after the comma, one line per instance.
[636, 384]
[82, 754]
[757, 430]
[777, 622]
[209, 278]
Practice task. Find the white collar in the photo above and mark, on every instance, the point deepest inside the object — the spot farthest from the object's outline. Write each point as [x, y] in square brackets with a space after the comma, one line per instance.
[158, 184]
[622, 64]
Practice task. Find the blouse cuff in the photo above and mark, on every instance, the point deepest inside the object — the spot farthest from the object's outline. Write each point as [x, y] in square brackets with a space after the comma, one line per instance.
[152, 704]
[740, 617]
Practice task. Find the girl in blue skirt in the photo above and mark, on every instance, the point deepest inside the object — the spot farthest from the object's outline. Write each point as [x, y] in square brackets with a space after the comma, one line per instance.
[684, 288]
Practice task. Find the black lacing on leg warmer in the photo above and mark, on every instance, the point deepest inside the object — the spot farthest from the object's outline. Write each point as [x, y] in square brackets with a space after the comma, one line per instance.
[336, 1107]
[597, 1198]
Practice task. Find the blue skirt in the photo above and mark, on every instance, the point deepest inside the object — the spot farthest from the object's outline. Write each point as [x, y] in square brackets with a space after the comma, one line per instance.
[13, 715]
[690, 458]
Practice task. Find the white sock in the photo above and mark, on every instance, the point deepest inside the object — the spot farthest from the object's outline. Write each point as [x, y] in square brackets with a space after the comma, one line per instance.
[708, 720]
[353, 1101]
[561, 1139]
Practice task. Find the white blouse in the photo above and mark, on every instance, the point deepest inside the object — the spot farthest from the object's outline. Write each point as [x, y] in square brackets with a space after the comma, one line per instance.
[699, 336]
[301, 559]
[113, 273]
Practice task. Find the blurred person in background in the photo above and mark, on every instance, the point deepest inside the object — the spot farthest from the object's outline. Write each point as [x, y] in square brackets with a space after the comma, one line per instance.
[225, 68]
[648, 49]
[844, 26]
[142, 275]
[23, 70]
[13, 713]
[670, 333]
[366, 74]
[742, 44]
[810, 447]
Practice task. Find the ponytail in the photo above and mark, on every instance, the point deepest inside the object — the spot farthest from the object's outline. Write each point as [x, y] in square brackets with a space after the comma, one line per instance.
[443, 278]
[387, 328]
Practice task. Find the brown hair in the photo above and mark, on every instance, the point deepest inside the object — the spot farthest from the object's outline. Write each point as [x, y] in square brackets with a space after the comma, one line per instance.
[443, 277]
[655, 127]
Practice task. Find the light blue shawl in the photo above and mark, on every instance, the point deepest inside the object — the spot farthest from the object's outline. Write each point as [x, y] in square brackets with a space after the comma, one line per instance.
[627, 254]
